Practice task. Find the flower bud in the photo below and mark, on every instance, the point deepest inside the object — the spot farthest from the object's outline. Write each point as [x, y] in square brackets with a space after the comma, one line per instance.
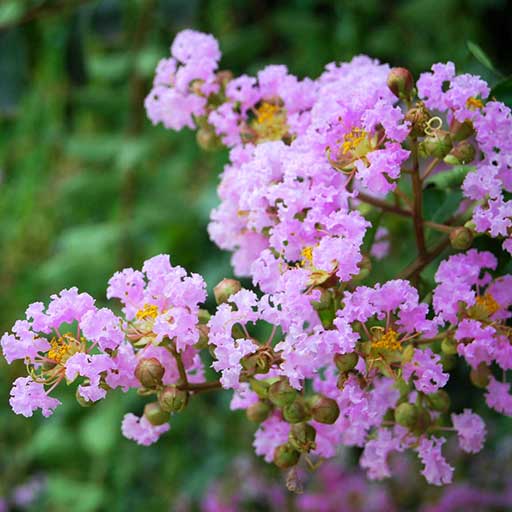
[461, 131]
[461, 238]
[401, 83]
[480, 376]
[323, 409]
[437, 145]
[302, 437]
[296, 412]
[203, 316]
[449, 346]
[225, 289]
[462, 153]
[149, 372]
[448, 362]
[406, 414]
[285, 456]
[259, 362]
[207, 139]
[258, 412]
[155, 414]
[172, 399]
[204, 332]
[440, 401]
[280, 393]
[346, 362]
[342, 380]
[403, 387]
[260, 387]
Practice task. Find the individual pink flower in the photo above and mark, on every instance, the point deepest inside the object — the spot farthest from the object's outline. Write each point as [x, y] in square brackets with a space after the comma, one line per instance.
[470, 429]
[426, 370]
[141, 430]
[436, 470]
[28, 396]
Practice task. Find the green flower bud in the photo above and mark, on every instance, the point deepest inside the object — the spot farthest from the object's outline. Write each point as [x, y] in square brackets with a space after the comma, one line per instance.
[323, 409]
[462, 153]
[285, 456]
[406, 414]
[155, 414]
[302, 437]
[203, 316]
[259, 362]
[448, 362]
[204, 332]
[149, 372]
[225, 289]
[280, 393]
[449, 346]
[461, 131]
[260, 387]
[440, 401]
[296, 412]
[346, 362]
[342, 379]
[258, 412]
[207, 139]
[172, 399]
[437, 145]
[401, 83]
[403, 387]
[461, 238]
[480, 376]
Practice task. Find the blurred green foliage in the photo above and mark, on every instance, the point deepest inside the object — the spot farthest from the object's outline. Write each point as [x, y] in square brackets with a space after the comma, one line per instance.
[88, 186]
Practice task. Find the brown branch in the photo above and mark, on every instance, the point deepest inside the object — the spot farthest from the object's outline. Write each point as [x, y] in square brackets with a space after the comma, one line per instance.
[421, 262]
[383, 205]
[201, 386]
[418, 202]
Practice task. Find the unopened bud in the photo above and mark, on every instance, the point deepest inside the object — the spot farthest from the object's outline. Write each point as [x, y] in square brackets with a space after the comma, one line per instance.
[461, 238]
[449, 346]
[260, 387]
[437, 145]
[462, 153]
[448, 362]
[462, 131]
[203, 316]
[406, 414]
[403, 387]
[346, 362]
[323, 409]
[207, 139]
[204, 332]
[258, 412]
[401, 82]
[302, 437]
[149, 372]
[296, 412]
[172, 399]
[285, 456]
[480, 375]
[259, 362]
[155, 414]
[280, 393]
[225, 289]
[440, 401]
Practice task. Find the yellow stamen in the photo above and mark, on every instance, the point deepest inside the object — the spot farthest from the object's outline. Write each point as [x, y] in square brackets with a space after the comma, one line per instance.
[307, 255]
[270, 122]
[352, 140]
[474, 103]
[61, 348]
[386, 341]
[148, 311]
[488, 303]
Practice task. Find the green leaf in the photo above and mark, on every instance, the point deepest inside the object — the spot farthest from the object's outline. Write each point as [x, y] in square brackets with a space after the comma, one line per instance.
[481, 57]
[503, 91]
[452, 178]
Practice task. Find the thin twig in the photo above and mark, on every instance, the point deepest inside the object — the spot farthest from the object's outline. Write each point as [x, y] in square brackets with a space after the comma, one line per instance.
[383, 205]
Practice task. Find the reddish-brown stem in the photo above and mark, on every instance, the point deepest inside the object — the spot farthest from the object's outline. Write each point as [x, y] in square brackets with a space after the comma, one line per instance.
[201, 387]
[418, 202]
[383, 205]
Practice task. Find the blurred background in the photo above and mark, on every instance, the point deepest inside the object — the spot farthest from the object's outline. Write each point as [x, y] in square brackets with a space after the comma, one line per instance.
[88, 186]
